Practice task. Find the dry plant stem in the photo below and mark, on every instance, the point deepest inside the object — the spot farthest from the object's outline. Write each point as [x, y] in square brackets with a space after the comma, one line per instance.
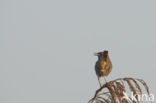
[116, 90]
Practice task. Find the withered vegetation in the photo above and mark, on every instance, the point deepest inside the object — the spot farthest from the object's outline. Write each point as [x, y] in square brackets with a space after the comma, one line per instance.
[113, 91]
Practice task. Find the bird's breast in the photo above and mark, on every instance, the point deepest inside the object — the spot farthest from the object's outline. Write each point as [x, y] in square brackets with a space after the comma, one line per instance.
[103, 66]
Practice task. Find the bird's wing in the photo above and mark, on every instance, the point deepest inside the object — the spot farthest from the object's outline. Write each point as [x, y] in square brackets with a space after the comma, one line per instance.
[97, 66]
[98, 69]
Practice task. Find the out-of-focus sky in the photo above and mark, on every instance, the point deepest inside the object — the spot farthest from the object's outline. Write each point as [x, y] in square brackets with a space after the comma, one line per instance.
[47, 47]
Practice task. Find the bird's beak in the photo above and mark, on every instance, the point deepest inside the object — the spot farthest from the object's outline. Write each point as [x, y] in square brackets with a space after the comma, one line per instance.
[96, 54]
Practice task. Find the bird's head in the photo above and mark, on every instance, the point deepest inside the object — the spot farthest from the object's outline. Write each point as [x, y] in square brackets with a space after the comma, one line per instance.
[101, 55]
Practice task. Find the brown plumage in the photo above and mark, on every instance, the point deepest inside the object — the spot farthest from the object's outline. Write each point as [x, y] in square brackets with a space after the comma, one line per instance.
[103, 66]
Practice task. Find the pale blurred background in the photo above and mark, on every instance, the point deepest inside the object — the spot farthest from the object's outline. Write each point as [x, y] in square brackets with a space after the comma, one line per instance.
[47, 47]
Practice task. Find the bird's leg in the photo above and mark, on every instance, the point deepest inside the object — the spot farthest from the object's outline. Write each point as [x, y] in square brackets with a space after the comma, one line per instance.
[99, 81]
[105, 79]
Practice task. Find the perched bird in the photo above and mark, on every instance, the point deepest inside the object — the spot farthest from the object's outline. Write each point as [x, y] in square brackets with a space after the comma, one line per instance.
[103, 65]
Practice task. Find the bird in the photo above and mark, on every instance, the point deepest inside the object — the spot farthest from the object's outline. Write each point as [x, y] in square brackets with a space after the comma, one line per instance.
[103, 65]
